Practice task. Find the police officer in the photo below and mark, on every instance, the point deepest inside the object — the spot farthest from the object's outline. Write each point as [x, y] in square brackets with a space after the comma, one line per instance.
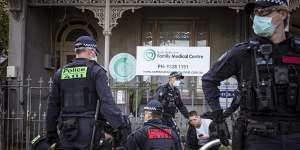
[170, 98]
[153, 135]
[267, 68]
[76, 89]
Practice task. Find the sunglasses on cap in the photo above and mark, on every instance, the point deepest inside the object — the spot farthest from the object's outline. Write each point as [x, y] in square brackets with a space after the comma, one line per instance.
[264, 11]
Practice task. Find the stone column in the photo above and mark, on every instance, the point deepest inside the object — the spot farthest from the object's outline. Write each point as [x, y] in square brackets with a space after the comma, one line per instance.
[17, 22]
[107, 33]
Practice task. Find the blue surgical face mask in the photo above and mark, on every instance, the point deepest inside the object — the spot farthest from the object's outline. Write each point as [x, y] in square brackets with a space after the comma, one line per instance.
[263, 26]
[94, 58]
[176, 83]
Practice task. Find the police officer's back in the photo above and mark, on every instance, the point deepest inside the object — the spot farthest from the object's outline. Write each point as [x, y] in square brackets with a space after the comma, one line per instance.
[153, 135]
[77, 87]
[267, 68]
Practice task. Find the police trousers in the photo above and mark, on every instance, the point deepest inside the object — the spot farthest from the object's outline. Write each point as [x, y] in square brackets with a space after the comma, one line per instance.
[289, 141]
[82, 139]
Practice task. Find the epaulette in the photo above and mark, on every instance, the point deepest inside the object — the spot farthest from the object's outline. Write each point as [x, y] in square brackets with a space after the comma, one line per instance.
[241, 44]
[296, 44]
[102, 68]
[95, 63]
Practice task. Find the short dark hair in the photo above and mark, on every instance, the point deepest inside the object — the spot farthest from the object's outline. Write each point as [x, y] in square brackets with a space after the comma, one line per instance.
[193, 113]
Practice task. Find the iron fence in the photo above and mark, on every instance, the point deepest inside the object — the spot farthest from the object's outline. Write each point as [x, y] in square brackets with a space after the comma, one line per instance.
[23, 105]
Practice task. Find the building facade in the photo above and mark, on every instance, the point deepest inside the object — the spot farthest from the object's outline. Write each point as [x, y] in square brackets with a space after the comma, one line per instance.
[43, 32]
[42, 35]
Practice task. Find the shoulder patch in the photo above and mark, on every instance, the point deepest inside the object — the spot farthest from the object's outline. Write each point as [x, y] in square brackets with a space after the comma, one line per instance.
[241, 44]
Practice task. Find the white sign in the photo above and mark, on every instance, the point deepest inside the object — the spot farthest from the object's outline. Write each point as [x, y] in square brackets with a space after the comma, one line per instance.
[160, 61]
[227, 92]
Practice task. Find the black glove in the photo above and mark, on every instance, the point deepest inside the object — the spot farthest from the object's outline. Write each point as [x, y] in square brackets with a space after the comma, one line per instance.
[221, 127]
[52, 137]
[207, 115]
[120, 138]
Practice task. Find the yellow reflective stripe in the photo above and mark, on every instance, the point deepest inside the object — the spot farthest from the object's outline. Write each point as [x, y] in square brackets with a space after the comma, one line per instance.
[74, 73]
[35, 139]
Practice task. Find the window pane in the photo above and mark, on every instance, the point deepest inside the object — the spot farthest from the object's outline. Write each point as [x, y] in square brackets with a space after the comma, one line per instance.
[175, 34]
[147, 33]
[202, 34]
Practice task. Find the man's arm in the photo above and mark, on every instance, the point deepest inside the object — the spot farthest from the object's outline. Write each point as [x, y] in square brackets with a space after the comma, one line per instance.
[228, 65]
[181, 106]
[108, 109]
[192, 140]
[159, 94]
[53, 108]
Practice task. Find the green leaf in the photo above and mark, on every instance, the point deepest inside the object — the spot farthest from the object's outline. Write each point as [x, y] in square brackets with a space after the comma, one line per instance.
[4, 28]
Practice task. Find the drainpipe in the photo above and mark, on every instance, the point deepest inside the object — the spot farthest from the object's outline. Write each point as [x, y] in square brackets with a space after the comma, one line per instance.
[107, 33]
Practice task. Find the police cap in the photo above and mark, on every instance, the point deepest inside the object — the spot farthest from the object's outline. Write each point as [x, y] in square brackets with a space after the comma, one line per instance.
[86, 41]
[264, 4]
[153, 105]
[176, 74]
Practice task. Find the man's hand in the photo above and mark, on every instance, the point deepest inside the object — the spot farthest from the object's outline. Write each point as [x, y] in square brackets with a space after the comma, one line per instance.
[221, 127]
[52, 137]
[204, 137]
[107, 135]
[120, 138]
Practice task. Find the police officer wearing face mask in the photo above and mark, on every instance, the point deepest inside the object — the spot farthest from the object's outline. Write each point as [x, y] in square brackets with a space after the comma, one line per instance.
[76, 89]
[153, 135]
[268, 71]
[170, 98]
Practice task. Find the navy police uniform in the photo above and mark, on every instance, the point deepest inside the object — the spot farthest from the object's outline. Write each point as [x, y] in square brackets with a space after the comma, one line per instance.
[171, 100]
[269, 82]
[153, 135]
[72, 102]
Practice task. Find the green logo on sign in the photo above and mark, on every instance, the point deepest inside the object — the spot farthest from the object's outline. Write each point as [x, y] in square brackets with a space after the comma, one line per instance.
[122, 67]
[74, 73]
[149, 54]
